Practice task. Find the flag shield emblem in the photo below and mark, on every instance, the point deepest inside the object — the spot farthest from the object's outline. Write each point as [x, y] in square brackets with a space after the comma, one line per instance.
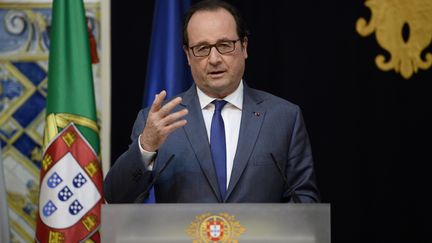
[215, 230]
[69, 194]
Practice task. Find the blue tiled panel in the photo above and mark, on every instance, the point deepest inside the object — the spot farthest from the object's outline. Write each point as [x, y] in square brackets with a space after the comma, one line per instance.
[8, 134]
[32, 71]
[26, 145]
[30, 109]
[11, 89]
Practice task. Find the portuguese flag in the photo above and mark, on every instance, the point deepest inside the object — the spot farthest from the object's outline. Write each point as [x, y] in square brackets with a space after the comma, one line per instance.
[71, 191]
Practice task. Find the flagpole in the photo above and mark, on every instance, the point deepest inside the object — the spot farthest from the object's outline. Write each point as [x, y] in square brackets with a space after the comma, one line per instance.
[4, 216]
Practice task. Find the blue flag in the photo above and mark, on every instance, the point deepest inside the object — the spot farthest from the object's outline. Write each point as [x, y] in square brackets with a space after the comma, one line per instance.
[167, 64]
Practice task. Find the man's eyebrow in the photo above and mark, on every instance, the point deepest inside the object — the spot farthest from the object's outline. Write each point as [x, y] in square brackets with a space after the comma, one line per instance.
[207, 43]
[201, 43]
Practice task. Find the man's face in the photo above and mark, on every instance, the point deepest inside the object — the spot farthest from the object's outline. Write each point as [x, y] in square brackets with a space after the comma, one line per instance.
[217, 75]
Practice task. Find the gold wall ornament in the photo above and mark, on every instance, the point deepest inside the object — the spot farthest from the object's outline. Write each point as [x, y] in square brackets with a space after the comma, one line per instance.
[389, 19]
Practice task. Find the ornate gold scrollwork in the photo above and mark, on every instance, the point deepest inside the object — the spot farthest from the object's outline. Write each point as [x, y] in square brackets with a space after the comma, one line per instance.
[388, 19]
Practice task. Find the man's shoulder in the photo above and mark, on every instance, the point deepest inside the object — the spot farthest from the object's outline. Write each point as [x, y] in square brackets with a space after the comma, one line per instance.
[267, 99]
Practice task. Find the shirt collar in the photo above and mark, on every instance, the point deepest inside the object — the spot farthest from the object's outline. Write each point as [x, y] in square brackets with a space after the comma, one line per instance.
[235, 98]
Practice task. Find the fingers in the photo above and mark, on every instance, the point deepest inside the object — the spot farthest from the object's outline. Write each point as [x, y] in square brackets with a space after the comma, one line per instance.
[167, 108]
[157, 130]
[157, 102]
[161, 121]
[173, 117]
[175, 125]
[171, 122]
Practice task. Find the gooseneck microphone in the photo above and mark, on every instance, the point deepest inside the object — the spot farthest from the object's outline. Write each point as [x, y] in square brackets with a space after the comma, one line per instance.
[293, 194]
[143, 195]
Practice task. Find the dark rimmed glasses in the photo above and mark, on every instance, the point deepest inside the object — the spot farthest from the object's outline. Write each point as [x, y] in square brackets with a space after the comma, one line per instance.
[223, 47]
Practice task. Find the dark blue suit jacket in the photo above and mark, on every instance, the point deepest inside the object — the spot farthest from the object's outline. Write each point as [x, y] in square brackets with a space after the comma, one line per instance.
[273, 161]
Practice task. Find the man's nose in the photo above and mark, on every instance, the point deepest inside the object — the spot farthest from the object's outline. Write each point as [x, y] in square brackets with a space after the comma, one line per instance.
[214, 56]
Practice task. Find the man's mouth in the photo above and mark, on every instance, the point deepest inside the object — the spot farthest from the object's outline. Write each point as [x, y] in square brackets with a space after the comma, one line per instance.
[216, 74]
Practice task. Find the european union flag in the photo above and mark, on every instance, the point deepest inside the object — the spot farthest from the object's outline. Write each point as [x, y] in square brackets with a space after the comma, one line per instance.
[167, 64]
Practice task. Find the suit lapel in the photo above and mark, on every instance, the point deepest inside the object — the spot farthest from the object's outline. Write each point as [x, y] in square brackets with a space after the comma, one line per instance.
[251, 121]
[196, 133]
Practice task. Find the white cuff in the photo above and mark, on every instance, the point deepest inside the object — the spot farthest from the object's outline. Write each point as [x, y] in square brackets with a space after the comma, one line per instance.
[147, 157]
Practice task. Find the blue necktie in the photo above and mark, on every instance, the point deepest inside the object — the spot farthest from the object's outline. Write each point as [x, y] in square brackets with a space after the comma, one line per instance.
[218, 145]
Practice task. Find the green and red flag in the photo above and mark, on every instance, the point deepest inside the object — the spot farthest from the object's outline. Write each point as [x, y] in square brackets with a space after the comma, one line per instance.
[71, 192]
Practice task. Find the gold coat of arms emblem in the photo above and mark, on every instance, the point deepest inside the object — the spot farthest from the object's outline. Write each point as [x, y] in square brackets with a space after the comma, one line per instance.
[404, 29]
[209, 227]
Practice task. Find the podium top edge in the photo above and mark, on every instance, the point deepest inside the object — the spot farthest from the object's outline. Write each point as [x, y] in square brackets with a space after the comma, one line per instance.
[280, 205]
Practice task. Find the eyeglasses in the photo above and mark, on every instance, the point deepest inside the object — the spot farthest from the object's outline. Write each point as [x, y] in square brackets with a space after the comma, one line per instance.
[223, 47]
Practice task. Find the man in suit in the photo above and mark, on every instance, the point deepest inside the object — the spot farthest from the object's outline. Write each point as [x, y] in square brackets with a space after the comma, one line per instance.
[220, 141]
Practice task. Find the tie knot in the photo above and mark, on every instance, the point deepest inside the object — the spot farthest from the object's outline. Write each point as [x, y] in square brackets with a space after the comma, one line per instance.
[219, 104]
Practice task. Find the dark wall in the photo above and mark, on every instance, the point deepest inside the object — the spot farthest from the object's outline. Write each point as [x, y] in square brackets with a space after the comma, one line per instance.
[370, 130]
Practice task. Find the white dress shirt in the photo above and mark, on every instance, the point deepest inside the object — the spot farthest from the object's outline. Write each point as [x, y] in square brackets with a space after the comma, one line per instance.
[231, 114]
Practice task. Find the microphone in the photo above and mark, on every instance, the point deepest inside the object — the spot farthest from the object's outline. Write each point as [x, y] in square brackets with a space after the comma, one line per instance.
[293, 195]
[145, 193]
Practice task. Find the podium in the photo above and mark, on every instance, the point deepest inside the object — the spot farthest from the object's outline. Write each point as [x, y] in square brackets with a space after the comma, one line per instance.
[288, 223]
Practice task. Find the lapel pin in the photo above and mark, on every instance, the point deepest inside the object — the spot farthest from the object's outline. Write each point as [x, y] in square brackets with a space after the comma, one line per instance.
[257, 113]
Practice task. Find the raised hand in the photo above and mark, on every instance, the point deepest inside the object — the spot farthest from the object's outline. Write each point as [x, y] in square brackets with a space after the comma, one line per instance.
[161, 122]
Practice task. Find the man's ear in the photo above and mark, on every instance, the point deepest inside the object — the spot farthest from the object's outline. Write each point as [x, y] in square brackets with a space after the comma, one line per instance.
[244, 46]
[186, 50]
